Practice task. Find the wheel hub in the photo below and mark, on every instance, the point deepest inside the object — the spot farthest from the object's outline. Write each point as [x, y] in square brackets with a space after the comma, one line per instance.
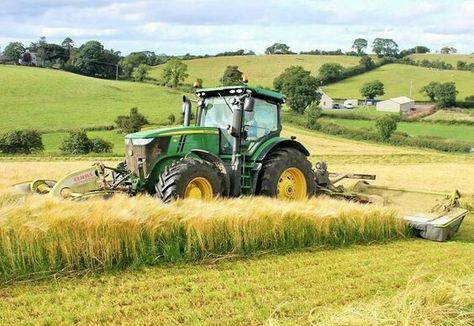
[291, 184]
[198, 188]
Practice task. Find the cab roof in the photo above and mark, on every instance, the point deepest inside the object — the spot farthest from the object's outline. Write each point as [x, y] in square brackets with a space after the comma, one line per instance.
[240, 89]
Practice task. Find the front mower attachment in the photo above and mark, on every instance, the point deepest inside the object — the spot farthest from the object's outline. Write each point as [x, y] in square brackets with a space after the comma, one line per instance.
[83, 184]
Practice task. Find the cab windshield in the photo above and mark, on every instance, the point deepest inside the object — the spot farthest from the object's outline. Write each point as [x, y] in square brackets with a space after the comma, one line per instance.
[216, 113]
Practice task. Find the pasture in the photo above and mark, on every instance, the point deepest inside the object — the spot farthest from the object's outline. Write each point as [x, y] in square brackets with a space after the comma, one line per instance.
[448, 58]
[378, 282]
[455, 132]
[260, 69]
[47, 99]
[398, 79]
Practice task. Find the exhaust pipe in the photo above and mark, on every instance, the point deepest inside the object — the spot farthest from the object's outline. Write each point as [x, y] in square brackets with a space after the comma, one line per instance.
[186, 111]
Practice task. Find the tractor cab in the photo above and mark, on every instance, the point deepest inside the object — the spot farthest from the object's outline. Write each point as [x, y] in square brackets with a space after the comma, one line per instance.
[217, 107]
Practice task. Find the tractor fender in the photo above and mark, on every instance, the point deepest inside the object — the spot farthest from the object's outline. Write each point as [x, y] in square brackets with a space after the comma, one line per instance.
[218, 163]
[281, 143]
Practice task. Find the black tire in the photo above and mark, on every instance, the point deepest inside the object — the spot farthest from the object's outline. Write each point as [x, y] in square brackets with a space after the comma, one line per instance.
[276, 163]
[175, 178]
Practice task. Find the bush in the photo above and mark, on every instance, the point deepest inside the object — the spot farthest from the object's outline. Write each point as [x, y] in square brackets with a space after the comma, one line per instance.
[21, 142]
[100, 145]
[77, 143]
[132, 123]
[312, 114]
[386, 125]
[171, 119]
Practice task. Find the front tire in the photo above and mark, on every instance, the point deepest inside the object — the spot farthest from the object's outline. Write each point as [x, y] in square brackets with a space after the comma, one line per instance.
[287, 175]
[189, 178]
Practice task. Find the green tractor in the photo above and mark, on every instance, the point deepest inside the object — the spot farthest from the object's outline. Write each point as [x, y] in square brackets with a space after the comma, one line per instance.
[234, 149]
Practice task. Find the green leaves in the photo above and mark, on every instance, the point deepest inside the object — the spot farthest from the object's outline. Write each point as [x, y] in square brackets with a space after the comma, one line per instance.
[300, 88]
[174, 73]
[372, 89]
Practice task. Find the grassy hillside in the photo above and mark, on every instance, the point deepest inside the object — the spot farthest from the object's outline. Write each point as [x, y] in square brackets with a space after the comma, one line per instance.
[455, 132]
[397, 78]
[448, 58]
[51, 99]
[260, 69]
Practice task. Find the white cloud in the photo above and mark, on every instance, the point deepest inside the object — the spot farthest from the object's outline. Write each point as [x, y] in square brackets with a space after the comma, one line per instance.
[210, 26]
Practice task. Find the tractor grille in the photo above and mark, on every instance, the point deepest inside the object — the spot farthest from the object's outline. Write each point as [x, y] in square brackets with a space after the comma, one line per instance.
[148, 153]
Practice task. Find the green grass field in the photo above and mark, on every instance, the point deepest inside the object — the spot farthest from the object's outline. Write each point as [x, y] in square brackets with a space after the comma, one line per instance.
[397, 79]
[49, 99]
[448, 58]
[455, 132]
[261, 69]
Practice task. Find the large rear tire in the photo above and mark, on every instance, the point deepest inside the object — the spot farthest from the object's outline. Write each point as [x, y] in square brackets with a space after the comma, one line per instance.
[286, 174]
[189, 178]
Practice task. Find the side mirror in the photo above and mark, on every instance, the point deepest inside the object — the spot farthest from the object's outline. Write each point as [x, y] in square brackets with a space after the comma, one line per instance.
[186, 111]
[249, 104]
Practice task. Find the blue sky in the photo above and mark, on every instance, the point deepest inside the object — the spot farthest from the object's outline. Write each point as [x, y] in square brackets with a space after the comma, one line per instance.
[211, 26]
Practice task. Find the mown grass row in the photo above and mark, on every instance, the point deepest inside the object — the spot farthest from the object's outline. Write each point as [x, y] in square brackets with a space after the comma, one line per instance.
[45, 235]
[421, 302]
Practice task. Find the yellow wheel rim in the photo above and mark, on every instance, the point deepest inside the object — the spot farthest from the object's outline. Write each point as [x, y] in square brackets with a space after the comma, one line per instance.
[199, 188]
[292, 185]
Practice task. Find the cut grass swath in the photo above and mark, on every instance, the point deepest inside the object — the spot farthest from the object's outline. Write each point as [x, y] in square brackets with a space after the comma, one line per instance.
[43, 235]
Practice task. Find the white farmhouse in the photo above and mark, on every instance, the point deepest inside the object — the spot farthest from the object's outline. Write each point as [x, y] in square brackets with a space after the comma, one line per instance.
[396, 104]
[326, 101]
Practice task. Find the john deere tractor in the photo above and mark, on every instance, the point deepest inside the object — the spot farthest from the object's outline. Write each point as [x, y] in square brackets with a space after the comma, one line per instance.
[234, 149]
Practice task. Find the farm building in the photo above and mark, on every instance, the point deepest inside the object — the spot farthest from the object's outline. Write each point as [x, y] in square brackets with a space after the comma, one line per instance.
[396, 104]
[326, 101]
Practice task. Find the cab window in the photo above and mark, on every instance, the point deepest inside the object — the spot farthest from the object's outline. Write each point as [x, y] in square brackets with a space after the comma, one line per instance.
[262, 121]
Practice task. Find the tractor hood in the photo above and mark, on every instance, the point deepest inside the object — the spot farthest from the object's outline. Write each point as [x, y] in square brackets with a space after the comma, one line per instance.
[175, 131]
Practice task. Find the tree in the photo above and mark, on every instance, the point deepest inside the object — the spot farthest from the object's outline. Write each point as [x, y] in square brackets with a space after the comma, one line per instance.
[312, 113]
[430, 90]
[359, 45]
[421, 49]
[386, 125]
[366, 62]
[140, 73]
[300, 88]
[21, 142]
[448, 50]
[232, 76]
[444, 94]
[174, 73]
[372, 89]
[385, 47]
[130, 62]
[14, 50]
[68, 43]
[278, 48]
[330, 72]
[92, 59]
